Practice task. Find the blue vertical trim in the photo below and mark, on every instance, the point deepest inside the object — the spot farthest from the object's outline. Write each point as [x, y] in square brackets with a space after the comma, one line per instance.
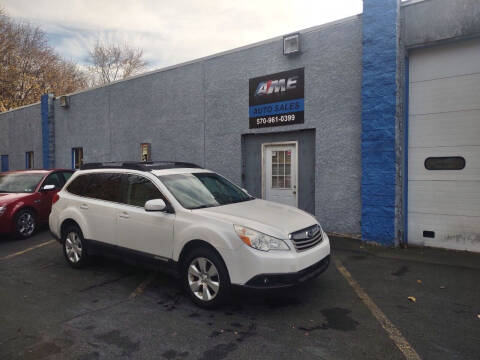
[45, 132]
[5, 163]
[405, 147]
[73, 158]
[379, 108]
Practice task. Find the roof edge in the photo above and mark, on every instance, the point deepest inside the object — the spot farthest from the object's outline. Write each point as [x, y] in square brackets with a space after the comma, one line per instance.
[20, 107]
[410, 2]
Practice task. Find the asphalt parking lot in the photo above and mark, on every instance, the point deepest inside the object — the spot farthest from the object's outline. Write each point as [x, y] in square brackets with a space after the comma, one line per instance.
[115, 311]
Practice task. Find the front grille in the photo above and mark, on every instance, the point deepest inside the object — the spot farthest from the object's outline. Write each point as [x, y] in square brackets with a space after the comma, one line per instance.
[306, 238]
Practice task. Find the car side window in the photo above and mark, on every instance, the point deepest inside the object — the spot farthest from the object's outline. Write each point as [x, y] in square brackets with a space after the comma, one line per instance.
[140, 190]
[53, 179]
[66, 175]
[78, 185]
[105, 186]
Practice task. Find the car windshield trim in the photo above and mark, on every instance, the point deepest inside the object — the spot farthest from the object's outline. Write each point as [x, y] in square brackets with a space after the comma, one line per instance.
[19, 183]
[203, 190]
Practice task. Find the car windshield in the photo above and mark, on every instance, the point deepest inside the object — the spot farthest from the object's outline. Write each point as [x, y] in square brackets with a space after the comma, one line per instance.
[19, 183]
[201, 190]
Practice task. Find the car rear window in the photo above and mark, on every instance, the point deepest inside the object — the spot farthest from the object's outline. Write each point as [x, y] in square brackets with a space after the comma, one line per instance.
[77, 186]
[102, 186]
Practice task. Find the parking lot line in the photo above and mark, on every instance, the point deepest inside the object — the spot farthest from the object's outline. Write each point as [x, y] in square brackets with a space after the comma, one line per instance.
[143, 285]
[387, 325]
[27, 250]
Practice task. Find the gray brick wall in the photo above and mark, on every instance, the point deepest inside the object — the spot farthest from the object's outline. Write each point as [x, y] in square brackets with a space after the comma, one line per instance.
[198, 112]
[21, 131]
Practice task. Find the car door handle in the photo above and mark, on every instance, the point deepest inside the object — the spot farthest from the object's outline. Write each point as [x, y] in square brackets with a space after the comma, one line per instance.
[84, 206]
[124, 216]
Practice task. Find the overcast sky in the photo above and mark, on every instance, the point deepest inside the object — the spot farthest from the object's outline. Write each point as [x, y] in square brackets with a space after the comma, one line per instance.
[172, 31]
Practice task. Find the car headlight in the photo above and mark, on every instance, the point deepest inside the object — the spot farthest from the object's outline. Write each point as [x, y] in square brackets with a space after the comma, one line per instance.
[2, 209]
[258, 240]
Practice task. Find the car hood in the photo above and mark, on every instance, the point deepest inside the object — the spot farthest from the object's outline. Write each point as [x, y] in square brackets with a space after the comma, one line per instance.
[6, 198]
[271, 218]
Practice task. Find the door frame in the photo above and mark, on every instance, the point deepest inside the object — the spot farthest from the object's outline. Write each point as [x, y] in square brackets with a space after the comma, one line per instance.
[264, 146]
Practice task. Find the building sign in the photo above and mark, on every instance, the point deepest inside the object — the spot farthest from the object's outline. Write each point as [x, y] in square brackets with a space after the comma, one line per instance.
[276, 99]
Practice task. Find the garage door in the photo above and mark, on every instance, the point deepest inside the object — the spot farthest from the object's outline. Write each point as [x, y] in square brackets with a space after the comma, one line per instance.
[444, 146]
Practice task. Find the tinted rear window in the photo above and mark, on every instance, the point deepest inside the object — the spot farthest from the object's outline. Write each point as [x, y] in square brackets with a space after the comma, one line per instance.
[77, 186]
[105, 186]
[102, 186]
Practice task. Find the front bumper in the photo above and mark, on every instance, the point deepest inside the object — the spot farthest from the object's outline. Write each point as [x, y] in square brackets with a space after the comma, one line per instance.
[244, 264]
[274, 281]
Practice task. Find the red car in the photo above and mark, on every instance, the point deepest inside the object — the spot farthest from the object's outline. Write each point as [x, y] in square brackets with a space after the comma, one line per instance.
[26, 199]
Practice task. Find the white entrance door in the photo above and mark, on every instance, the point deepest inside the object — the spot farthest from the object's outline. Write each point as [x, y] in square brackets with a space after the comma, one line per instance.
[280, 173]
[444, 146]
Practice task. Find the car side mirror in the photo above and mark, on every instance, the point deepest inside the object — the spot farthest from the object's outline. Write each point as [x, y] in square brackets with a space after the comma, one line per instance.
[155, 205]
[48, 187]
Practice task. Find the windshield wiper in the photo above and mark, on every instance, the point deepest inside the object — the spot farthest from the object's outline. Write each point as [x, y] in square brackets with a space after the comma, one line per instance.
[200, 207]
[242, 200]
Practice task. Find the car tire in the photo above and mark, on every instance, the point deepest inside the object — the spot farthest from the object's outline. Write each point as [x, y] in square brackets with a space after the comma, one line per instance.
[25, 224]
[205, 278]
[74, 247]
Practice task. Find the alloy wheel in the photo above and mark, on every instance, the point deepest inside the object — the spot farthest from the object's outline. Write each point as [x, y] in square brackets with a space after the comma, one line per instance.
[26, 223]
[73, 247]
[203, 279]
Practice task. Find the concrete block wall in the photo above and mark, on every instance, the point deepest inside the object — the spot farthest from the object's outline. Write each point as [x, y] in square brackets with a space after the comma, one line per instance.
[198, 112]
[379, 106]
[21, 131]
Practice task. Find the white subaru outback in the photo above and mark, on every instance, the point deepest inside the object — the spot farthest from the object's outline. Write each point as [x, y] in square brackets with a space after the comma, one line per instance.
[210, 231]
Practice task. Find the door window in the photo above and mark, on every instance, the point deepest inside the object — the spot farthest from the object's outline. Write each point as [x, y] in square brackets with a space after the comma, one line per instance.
[77, 157]
[445, 163]
[29, 160]
[4, 163]
[105, 186]
[66, 175]
[140, 190]
[53, 179]
[281, 169]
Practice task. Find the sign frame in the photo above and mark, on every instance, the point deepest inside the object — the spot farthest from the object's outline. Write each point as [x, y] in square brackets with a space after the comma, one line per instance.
[277, 99]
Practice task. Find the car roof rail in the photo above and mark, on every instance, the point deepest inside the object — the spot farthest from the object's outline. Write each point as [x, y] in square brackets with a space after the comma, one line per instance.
[137, 165]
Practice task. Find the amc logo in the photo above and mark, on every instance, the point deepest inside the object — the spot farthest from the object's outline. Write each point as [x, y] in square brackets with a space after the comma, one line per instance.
[276, 86]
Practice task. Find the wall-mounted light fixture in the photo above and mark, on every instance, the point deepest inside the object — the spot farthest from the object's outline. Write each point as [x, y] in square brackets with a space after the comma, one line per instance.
[291, 44]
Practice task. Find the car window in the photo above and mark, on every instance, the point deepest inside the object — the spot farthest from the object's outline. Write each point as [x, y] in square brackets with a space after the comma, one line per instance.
[199, 190]
[53, 179]
[140, 190]
[78, 185]
[19, 183]
[105, 186]
[66, 175]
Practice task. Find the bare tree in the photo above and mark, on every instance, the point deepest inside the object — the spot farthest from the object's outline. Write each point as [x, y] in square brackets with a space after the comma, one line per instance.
[29, 67]
[111, 62]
